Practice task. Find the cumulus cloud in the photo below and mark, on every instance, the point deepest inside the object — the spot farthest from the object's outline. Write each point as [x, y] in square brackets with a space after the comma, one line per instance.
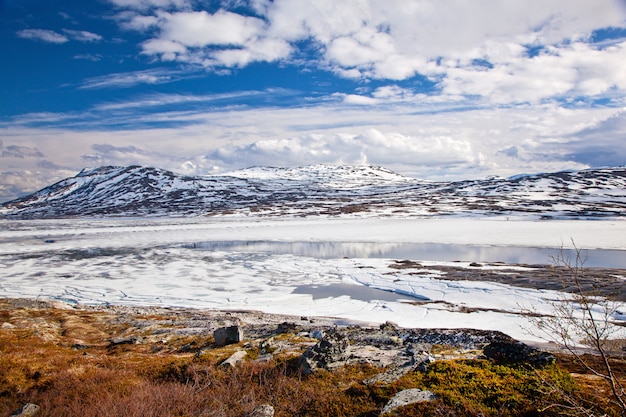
[43, 35]
[488, 55]
[221, 39]
[575, 69]
[372, 147]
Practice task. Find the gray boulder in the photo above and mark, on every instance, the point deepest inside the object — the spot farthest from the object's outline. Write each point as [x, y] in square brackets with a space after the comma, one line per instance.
[234, 359]
[228, 335]
[406, 397]
[330, 352]
[513, 351]
[29, 410]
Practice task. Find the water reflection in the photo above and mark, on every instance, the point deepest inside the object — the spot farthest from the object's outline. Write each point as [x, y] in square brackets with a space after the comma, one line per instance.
[418, 251]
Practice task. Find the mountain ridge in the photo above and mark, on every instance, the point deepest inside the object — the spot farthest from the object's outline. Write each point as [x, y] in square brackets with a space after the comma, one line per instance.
[322, 190]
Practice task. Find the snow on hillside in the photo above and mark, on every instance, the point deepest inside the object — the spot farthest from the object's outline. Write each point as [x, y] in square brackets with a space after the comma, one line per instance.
[322, 190]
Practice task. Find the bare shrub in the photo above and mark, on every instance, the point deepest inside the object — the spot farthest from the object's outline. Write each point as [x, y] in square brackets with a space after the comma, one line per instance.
[583, 324]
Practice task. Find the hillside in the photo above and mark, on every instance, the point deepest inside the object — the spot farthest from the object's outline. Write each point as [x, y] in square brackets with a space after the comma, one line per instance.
[322, 190]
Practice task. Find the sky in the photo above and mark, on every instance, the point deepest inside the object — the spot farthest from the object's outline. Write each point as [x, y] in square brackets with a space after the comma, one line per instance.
[438, 90]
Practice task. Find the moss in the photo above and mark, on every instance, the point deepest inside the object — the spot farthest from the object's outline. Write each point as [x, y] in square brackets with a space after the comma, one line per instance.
[480, 387]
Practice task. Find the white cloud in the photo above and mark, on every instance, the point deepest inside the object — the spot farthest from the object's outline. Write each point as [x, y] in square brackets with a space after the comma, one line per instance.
[576, 69]
[144, 5]
[199, 29]
[397, 39]
[222, 39]
[43, 35]
[402, 135]
[129, 79]
[51, 36]
[265, 50]
[82, 35]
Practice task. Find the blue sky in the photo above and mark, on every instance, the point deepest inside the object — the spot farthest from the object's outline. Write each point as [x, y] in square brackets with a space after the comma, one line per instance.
[430, 89]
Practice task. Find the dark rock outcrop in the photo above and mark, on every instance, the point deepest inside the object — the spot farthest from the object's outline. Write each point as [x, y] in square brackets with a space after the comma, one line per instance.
[228, 335]
[515, 352]
[330, 352]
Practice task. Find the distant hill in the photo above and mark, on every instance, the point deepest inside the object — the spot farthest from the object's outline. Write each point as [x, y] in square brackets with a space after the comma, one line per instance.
[322, 190]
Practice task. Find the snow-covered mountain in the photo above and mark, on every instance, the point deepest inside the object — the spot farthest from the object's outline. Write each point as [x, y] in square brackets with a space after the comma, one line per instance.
[322, 190]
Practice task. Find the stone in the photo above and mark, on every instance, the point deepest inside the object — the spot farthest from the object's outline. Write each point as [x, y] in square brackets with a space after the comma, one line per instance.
[515, 352]
[267, 345]
[286, 327]
[228, 335]
[125, 340]
[7, 326]
[263, 410]
[406, 397]
[234, 359]
[29, 410]
[330, 352]
[394, 373]
[389, 326]
[317, 334]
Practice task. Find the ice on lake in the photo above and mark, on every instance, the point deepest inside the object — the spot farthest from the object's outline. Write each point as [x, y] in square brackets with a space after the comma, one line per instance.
[321, 267]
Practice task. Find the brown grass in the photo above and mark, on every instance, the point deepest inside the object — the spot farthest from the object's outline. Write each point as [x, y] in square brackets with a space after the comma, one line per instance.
[63, 361]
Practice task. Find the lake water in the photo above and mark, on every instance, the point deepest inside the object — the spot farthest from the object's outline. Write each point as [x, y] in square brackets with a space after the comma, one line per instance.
[421, 251]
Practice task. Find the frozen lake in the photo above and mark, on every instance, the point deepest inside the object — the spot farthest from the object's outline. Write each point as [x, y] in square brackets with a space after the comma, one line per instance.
[312, 267]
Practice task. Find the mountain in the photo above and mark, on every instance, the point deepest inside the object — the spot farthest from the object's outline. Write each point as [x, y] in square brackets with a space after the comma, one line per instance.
[322, 190]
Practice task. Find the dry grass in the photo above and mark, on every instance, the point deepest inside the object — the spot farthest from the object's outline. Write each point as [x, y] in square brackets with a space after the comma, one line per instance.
[63, 361]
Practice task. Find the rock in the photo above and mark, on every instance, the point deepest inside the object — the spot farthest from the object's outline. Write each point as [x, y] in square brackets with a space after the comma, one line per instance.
[228, 335]
[513, 351]
[330, 352]
[267, 345]
[389, 326]
[7, 326]
[317, 334]
[128, 340]
[266, 358]
[29, 410]
[286, 327]
[394, 373]
[406, 397]
[234, 359]
[61, 305]
[264, 410]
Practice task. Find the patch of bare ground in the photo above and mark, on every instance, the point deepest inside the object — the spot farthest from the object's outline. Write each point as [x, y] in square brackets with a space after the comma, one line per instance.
[606, 282]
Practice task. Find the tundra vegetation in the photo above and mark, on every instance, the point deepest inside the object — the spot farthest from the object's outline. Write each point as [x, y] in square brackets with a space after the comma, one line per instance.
[89, 362]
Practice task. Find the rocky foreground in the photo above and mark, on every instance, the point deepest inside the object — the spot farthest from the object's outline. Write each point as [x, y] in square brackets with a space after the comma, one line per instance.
[232, 340]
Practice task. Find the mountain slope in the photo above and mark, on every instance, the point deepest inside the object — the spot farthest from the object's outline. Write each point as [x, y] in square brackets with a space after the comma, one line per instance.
[322, 190]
